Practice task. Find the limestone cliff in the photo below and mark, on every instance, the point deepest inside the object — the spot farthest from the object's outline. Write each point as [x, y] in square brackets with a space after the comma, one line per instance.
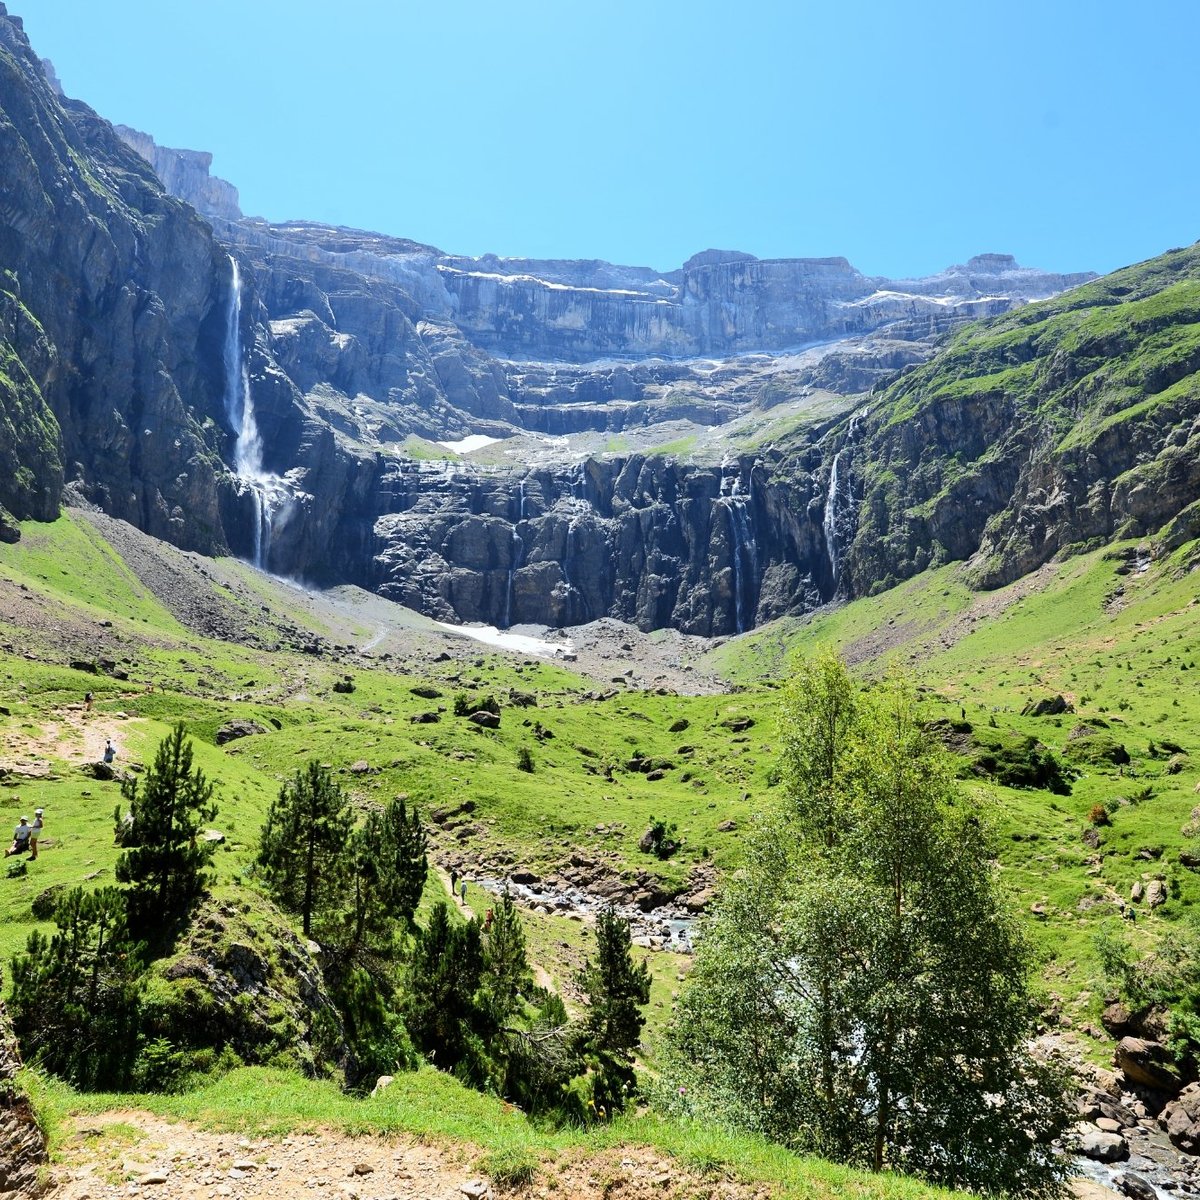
[23, 1155]
[131, 351]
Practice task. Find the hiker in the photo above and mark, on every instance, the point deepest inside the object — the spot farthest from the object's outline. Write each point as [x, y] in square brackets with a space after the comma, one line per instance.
[35, 831]
[487, 921]
[110, 752]
[87, 701]
[462, 891]
[20, 842]
[454, 883]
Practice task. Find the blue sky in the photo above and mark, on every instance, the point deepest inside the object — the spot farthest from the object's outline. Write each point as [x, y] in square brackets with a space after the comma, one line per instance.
[904, 135]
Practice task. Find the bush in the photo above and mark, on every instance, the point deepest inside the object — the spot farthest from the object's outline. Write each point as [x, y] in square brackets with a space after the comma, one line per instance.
[525, 760]
[1099, 815]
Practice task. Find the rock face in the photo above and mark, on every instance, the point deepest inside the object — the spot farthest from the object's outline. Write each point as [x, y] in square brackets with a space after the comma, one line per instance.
[254, 987]
[124, 333]
[22, 1144]
[647, 540]
[185, 173]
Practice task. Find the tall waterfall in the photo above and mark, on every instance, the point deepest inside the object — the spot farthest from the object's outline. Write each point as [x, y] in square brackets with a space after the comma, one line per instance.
[266, 492]
[744, 557]
[839, 503]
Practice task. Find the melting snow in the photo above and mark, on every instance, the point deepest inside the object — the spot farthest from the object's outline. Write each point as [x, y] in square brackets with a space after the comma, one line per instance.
[519, 642]
[475, 441]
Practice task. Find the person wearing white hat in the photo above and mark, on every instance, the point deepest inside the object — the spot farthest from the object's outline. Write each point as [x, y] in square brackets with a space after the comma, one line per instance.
[20, 841]
[35, 831]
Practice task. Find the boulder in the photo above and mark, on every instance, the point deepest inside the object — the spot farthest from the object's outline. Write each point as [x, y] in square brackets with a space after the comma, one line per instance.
[1181, 1119]
[1147, 1063]
[1135, 1187]
[1047, 706]
[1102, 1147]
[237, 728]
[1116, 1019]
[1156, 893]
[22, 1144]
[727, 826]
[485, 719]
[426, 692]
[678, 726]
[428, 717]
[698, 902]
[1137, 891]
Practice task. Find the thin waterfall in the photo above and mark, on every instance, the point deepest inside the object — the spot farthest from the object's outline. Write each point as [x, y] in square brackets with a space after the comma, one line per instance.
[267, 492]
[839, 502]
[830, 522]
[744, 549]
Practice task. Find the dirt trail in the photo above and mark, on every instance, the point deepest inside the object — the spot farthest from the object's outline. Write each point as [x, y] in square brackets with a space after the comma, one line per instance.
[73, 736]
[131, 1153]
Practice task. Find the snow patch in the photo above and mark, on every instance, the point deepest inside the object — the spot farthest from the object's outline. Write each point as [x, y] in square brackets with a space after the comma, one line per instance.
[519, 642]
[474, 441]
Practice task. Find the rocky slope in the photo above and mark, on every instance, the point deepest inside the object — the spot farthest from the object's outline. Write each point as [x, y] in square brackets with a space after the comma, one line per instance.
[22, 1144]
[1070, 423]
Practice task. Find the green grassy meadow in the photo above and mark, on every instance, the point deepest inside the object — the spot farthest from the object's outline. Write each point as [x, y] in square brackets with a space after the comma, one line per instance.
[1116, 634]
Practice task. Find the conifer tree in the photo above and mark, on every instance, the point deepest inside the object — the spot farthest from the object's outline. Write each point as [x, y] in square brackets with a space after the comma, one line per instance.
[75, 994]
[304, 841]
[617, 988]
[165, 859]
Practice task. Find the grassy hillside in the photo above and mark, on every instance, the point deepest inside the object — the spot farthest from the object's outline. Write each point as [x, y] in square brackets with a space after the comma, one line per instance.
[67, 596]
[1060, 425]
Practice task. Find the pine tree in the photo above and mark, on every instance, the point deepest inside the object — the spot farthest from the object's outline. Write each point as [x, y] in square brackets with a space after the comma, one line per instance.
[75, 994]
[303, 844]
[506, 973]
[617, 989]
[444, 1016]
[165, 859]
[399, 840]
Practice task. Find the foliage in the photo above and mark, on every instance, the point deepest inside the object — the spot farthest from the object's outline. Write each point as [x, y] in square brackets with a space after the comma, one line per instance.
[386, 869]
[165, 859]
[861, 991]
[444, 1014]
[617, 989]
[303, 840]
[1165, 975]
[660, 838]
[75, 994]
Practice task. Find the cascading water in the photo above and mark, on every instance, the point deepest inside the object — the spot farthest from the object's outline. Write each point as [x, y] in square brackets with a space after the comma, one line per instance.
[518, 551]
[839, 503]
[830, 522]
[744, 558]
[267, 492]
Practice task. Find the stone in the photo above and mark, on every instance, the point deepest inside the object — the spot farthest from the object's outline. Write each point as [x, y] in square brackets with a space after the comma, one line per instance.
[1147, 1063]
[1047, 706]
[1116, 1019]
[361, 767]
[1134, 1186]
[727, 826]
[1181, 1119]
[1137, 891]
[678, 726]
[485, 719]
[1156, 893]
[239, 727]
[698, 902]
[1102, 1147]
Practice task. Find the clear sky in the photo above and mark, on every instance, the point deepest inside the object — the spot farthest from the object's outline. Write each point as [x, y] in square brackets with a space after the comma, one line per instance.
[903, 134]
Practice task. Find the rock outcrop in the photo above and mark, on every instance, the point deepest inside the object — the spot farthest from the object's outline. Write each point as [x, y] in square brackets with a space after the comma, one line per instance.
[23, 1155]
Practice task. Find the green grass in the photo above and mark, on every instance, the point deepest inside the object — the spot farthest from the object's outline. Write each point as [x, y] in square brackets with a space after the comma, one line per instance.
[1122, 645]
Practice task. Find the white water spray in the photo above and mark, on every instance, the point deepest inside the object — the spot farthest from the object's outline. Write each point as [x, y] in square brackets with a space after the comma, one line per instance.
[744, 557]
